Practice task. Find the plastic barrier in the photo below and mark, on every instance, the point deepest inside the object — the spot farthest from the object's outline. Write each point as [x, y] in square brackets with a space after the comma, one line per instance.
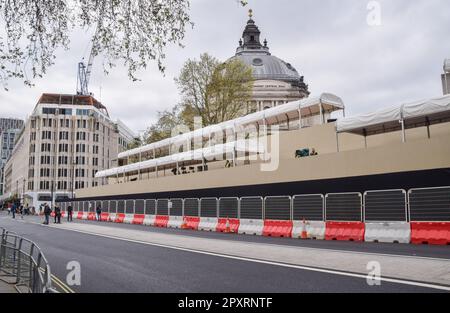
[84, 216]
[104, 217]
[161, 220]
[79, 215]
[344, 231]
[313, 229]
[63, 214]
[128, 218]
[175, 221]
[208, 223]
[149, 220]
[112, 217]
[251, 227]
[398, 232]
[190, 222]
[52, 214]
[138, 219]
[273, 228]
[433, 233]
[119, 218]
[91, 216]
[232, 227]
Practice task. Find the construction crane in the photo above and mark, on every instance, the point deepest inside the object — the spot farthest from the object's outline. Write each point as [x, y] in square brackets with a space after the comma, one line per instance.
[84, 70]
[84, 74]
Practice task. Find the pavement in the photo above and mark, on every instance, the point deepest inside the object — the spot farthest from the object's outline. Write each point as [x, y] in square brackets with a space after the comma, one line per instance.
[134, 258]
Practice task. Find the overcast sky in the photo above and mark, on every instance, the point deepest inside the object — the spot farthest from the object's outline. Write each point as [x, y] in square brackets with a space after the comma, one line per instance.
[328, 41]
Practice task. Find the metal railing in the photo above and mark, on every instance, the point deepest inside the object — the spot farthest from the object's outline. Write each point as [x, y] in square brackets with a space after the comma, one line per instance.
[390, 205]
[23, 264]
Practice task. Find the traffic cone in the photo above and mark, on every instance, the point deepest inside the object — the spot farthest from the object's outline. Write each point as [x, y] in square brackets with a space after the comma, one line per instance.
[227, 227]
[184, 224]
[304, 232]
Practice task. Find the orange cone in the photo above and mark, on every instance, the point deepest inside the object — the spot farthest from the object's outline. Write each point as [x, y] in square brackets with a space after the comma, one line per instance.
[304, 232]
[184, 224]
[227, 227]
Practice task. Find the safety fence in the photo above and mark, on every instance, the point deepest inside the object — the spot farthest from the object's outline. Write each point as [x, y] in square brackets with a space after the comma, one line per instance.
[23, 264]
[417, 215]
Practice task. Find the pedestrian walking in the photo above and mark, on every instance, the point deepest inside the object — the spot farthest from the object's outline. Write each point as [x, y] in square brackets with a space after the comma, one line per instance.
[47, 212]
[22, 211]
[99, 213]
[69, 213]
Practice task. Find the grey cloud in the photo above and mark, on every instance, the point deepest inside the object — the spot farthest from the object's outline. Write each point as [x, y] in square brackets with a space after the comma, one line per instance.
[328, 41]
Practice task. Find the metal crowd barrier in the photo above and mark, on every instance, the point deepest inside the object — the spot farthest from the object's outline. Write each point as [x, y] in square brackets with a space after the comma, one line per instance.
[23, 264]
[419, 204]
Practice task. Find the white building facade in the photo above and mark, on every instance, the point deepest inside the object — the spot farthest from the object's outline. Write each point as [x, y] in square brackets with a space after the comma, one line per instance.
[65, 141]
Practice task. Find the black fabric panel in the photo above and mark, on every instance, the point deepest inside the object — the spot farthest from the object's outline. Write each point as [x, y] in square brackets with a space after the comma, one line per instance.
[191, 207]
[403, 180]
[385, 206]
[343, 207]
[162, 207]
[252, 208]
[430, 205]
[129, 207]
[139, 207]
[228, 207]
[277, 208]
[309, 207]
[208, 207]
[177, 207]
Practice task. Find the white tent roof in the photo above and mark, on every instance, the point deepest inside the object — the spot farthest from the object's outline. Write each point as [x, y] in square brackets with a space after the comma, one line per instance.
[309, 106]
[250, 146]
[415, 113]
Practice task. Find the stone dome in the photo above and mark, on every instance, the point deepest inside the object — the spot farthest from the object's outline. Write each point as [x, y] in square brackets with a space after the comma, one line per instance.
[266, 66]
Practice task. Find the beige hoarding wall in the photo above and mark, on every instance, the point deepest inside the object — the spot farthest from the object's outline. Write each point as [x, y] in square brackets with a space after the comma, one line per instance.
[414, 155]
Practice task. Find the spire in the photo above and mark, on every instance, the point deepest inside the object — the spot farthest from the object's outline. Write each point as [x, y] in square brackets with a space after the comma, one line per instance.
[251, 37]
[251, 33]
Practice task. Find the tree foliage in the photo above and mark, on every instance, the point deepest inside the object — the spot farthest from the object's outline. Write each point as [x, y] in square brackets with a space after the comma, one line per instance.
[134, 32]
[209, 89]
[215, 91]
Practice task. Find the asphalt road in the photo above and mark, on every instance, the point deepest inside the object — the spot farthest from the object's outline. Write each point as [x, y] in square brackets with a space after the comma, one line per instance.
[111, 265]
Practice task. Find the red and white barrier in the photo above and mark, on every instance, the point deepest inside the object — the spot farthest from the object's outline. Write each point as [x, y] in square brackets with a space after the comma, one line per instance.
[128, 218]
[344, 231]
[149, 220]
[104, 217]
[434, 233]
[208, 224]
[175, 221]
[190, 222]
[228, 225]
[161, 221]
[138, 219]
[273, 228]
[120, 217]
[310, 229]
[399, 232]
[251, 227]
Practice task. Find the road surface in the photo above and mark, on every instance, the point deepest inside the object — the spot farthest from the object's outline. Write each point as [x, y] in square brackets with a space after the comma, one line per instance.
[112, 264]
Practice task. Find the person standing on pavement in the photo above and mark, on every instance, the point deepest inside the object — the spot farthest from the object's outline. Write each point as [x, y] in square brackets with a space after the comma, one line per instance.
[57, 215]
[99, 213]
[69, 213]
[47, 212]
[13, 210]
